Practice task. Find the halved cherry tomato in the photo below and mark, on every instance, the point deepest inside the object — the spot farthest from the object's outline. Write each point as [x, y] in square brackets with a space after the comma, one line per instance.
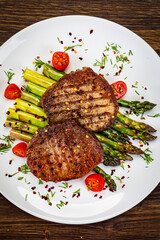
[95, 182]
[119, 88]
[12, 91]
[20, 149]
[60, 60]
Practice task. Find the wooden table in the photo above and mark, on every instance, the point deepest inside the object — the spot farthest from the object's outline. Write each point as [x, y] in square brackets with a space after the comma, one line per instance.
[143, 18]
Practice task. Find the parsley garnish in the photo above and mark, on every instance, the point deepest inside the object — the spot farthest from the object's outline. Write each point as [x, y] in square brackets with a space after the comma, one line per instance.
[134, 86]
[61, 204]
[20, 178]
[38, 63]
[71, 47]
[130, 53]
[4, 147]
[9, 75]
[65, 185]
[147, 157]
[23, 169]
[78, 191]
[156, 115]
[122, 166]
[52, 194]
[117, 178]
[137, 92]
[26, 197]
[40, 181]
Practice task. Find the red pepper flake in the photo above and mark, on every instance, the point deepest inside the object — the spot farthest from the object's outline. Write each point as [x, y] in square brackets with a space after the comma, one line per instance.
[100, 197]
[33, 188]
[70, 186]
[22, 70]
[141, 145]
[145, 88]
[95, 195]
[10, 162]
[144, 118]
[6, 174]
[34, 192]
[38, 57]
[112, 171]
[50, 204]
[80, 40]
[114, 52]
[49, 61]
[147, 143]
[74, 37]
[129, 166]
[66, 203]
[123, 185]
[49, 190]
[72, 50]
[130, 142]
[128, 60]
[19, 169]
[81, 58]
[73, 195]
[46, 180]
[61, 190]
[70, 34]
[61, 42]
[78, 195]
[122, 177]
[142, 97]
[101, 75]
[91, 31]
[52, 187]
[46, 186]
[9, 175]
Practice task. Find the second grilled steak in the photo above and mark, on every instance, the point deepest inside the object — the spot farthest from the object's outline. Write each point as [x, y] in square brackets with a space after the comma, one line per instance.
[82, 95]
[63, 151]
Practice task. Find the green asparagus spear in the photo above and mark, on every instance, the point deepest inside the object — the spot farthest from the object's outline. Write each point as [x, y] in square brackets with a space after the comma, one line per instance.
[110, 182]
[26, 137]
[26, 117]
[115, 136]
[136, 106]
[38, 78]
[51, 72]
[31, 98]
[110, 161]
[133, 124]
[35, 89]
[144, 136]
[115, 153]
[118, 145]
[21, 126]
[29, 107]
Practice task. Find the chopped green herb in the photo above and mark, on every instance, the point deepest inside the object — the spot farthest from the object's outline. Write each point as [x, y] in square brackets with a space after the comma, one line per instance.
[125, 78]
[117, 178]
[78, 191]
[9, 75]
[122, 166]
[61, 204]
[137, 92]
[23, 169]
[130, 52]
[65, 185]
[40, 181]
[47, 198]
[38, 63]
[52, 194]
[156, 115]
[4, 147]
[71, 47]
[86, 49]
[26, 197]
[58, 39]
[64, 196]
[39, 194]
[134, 86]
[20, 178]
[111, 61]
[147, 157]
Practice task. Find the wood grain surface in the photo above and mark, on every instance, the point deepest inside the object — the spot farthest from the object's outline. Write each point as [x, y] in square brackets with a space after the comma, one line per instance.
[142, 221]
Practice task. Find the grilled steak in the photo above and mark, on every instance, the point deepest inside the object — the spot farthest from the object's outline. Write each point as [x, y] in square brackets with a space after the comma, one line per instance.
[82, 95]
[63, 151]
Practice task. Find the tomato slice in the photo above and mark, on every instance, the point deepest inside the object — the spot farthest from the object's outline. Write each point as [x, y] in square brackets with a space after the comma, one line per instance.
[95, 182]
[20, 149]
[119, 88]
[60, 60]
[12, 91]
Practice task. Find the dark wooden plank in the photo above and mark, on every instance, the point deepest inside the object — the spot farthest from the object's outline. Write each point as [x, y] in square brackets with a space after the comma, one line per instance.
[143, 18]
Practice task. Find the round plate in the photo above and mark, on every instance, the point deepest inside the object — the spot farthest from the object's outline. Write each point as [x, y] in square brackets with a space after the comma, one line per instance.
[142, 66]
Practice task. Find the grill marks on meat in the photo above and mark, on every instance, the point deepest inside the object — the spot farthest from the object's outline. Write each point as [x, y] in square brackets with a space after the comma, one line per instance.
[82, 95]
[63, 151]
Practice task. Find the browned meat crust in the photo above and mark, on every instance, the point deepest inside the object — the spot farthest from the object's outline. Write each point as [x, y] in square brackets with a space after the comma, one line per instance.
[63, 151]
[82, 95]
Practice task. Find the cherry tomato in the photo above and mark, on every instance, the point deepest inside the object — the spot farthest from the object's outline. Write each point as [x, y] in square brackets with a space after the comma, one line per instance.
[12, 91]
[95, 182]
[119, 88]
[20, 149]
[60, 60]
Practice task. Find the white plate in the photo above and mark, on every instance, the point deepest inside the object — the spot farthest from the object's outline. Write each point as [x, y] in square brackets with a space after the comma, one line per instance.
[38, 40]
